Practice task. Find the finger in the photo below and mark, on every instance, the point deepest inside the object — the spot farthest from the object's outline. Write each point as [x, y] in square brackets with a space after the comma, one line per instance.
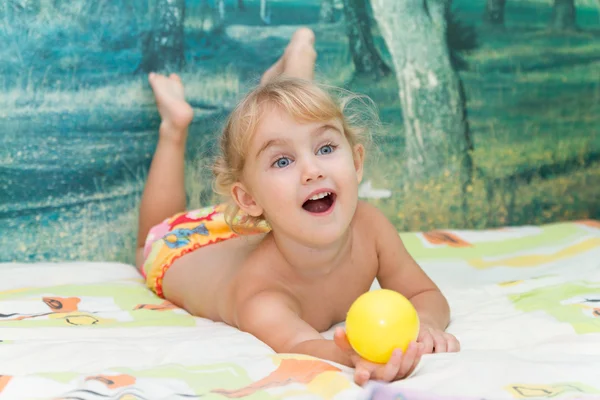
[361, 375]
[439, 343]
[416, 362]
[407, 364]
[453, 343]
[389, 371]
[341, 340]
[427, 341]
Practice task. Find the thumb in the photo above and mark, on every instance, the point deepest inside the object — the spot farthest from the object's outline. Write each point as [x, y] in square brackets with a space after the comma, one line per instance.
[341, 340]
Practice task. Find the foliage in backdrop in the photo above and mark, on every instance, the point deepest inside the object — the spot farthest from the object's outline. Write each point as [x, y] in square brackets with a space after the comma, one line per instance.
[490, 109]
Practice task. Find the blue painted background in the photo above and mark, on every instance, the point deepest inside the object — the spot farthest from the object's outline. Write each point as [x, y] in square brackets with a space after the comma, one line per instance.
[78, 122]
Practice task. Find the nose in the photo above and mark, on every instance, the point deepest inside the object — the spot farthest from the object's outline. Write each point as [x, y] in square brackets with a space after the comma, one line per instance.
[311, 171]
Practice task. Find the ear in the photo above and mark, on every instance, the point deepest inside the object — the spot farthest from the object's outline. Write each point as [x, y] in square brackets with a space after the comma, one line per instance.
[244, 200]
[359, 161]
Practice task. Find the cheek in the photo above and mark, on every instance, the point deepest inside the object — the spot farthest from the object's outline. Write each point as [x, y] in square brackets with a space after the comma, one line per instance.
[275, 187]
[347, 166]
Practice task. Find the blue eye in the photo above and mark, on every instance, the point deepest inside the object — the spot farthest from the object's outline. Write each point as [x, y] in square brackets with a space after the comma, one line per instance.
[327, 149]
[282, 162]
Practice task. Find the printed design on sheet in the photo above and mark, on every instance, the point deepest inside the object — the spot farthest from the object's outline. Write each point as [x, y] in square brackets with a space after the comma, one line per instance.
[536, 257]
[122, 304]
[319, 377]
[4, 380]
[300, 375]
[513, 247]
[526, 391]
[444, 238]
[576, 303]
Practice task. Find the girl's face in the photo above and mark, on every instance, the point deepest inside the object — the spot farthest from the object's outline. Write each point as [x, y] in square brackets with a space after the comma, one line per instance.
[303, 177]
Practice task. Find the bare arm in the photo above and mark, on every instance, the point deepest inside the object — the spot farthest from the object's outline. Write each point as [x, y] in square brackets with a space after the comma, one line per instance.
[400, 272]
[274, 319]
[432, 307]
[323, 348]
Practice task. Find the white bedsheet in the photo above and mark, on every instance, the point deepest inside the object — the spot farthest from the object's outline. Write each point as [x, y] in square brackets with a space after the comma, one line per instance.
[525, 307]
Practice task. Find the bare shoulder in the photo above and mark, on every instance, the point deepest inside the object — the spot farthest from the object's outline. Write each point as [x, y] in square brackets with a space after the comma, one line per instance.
[258, 279]
[376, 224]
[372, 218]
[367, 210]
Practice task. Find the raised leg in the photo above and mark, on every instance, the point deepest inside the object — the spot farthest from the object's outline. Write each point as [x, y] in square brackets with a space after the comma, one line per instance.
[164, 192]
[298, 59]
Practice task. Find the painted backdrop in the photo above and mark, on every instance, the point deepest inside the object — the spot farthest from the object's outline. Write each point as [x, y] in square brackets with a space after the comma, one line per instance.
[490, 109]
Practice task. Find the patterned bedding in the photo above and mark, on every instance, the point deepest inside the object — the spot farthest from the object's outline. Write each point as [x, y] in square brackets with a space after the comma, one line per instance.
[525, 303]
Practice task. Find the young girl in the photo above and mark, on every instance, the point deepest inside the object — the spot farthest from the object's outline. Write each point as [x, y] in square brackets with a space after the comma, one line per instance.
[293, 248]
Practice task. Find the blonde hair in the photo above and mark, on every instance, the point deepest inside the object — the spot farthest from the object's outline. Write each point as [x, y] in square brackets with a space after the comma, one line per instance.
[304, 101]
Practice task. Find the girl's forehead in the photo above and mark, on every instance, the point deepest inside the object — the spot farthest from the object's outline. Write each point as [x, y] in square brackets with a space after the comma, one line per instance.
[288, 133]
[276, 121]
[276, 124]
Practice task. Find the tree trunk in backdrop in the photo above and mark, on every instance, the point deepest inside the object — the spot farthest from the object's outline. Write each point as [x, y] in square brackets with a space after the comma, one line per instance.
[164, 46]
[326, 13]
[431, 93]
[219, 14]
[16, 12]
[563, 15]
[31, 7]
[366, 58]
[494, 13]
[265, 12]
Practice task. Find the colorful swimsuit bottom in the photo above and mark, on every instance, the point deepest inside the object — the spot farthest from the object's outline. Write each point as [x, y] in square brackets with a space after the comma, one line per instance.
[184, 233]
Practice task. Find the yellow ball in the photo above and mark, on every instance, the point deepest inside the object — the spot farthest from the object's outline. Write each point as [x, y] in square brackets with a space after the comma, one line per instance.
[380, 321]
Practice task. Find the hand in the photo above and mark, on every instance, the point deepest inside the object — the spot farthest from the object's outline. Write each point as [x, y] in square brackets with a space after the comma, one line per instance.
[175, 112]
[435, 340]
[399, 366]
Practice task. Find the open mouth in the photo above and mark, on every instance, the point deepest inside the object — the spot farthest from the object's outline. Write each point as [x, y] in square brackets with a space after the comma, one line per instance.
[320, 203]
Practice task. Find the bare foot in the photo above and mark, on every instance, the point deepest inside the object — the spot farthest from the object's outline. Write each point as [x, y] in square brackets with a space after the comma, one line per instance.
[175, 112]
[274, 71]
[298, 59]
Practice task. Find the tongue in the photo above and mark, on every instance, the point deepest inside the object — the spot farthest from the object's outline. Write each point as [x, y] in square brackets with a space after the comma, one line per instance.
[317, 206]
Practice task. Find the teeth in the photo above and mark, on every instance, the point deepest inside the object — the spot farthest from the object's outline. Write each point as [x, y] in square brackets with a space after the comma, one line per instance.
[320, 196]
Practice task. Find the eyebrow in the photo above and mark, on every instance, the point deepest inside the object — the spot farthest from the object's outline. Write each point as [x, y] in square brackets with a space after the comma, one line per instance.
[316, 132]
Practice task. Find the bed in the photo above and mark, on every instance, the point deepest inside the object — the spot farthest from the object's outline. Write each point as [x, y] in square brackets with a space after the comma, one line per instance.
[525, 306]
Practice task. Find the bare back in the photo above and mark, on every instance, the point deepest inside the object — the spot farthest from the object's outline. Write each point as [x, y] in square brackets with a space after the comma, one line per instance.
[214, 281]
